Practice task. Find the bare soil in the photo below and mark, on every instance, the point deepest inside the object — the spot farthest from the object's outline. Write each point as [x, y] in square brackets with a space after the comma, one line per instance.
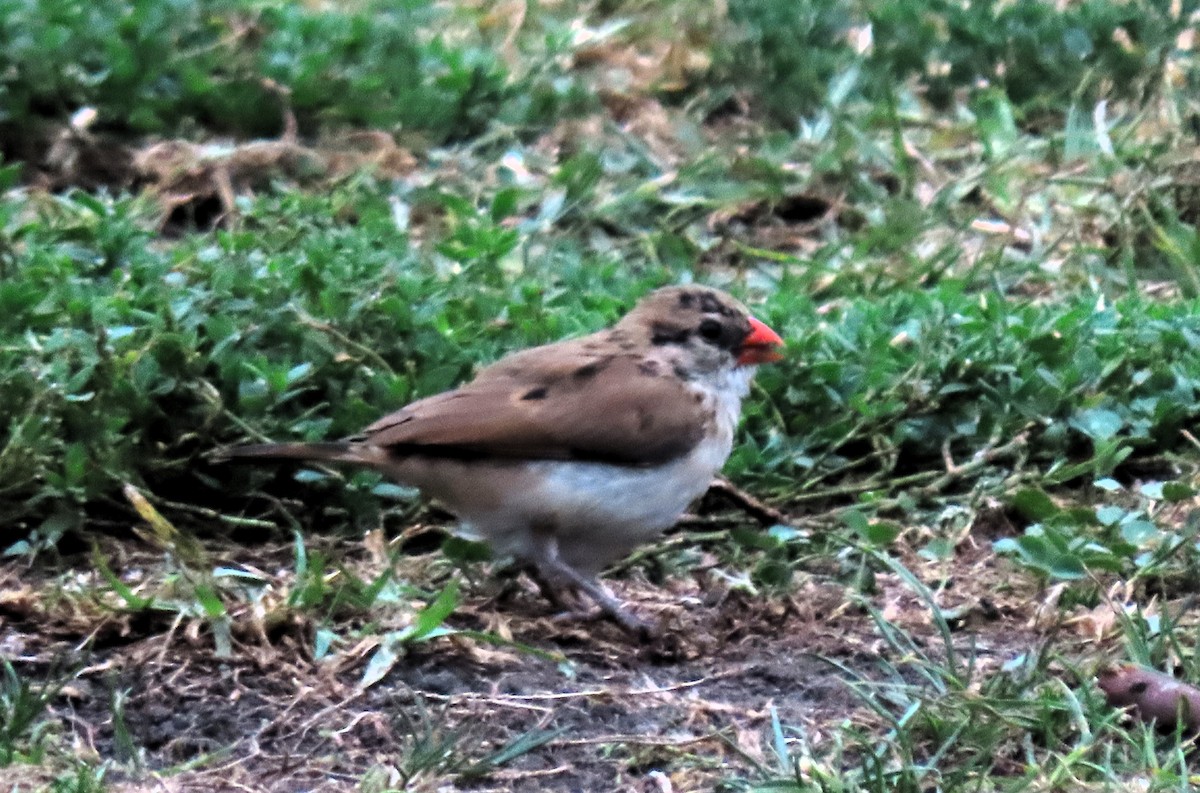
[606, 712]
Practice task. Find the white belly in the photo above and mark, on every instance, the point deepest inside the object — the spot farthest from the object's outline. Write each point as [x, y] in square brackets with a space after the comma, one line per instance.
[596, 512]
[600, 512]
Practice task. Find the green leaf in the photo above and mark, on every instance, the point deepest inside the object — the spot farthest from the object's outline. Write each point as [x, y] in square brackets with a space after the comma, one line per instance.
[322, 642]
[1006, 545]
[784, 533]
[299, 555]
[209, 601]
[773, 573]
[433, 615]
[857, 522]
[9, 175]
[996, 122]
[754, 537]
[1098, 423]
[395, 492]
[523, 744]
[131, 598]
[382, 660]
[938, 549]
[1033, 504]
[1139, 532]
[1068, 568]
[298, 372]
[1177, 491]
[462, 550]
[75, 464]
[882, 532]
[1078, 42]
[1152, 490]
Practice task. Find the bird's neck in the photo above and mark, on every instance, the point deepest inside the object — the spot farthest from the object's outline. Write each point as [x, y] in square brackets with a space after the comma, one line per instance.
[726, 388]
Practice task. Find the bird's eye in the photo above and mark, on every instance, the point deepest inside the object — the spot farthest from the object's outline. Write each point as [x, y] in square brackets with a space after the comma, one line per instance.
[710, 330]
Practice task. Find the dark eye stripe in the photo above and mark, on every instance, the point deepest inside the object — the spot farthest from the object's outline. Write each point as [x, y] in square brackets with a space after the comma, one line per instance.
[668, 334]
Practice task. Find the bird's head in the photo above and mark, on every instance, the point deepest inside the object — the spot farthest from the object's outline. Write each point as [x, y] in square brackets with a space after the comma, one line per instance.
[706, 329]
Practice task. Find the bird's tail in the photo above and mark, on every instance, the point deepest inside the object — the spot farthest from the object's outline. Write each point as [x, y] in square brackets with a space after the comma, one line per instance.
[330, 451]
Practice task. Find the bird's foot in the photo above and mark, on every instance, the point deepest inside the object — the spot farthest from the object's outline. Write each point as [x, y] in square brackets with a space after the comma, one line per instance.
[630, 623]
[562, 598]
[557, 574]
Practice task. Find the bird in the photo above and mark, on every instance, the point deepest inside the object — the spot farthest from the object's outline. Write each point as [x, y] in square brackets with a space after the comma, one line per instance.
[568, 455]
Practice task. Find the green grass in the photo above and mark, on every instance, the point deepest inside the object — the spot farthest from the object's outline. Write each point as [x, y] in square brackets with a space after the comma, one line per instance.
[990, 302]
[131, 358]
[232, 67]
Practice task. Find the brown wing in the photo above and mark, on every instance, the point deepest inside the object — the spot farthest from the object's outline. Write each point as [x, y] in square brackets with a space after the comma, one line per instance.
[571, 404]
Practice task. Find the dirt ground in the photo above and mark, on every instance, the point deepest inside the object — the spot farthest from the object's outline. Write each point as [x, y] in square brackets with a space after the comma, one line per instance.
[604, 712]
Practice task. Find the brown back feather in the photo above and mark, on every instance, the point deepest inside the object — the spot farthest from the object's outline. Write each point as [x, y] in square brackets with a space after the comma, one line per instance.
[576, 403]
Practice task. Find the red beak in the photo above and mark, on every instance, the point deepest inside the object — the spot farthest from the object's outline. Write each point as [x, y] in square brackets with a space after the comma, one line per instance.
[763, 345]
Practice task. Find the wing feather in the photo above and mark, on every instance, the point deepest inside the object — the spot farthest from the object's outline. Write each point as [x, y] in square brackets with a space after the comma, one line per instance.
[571, 405]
